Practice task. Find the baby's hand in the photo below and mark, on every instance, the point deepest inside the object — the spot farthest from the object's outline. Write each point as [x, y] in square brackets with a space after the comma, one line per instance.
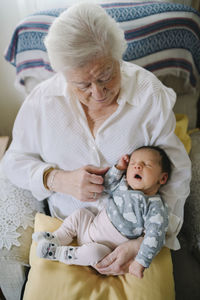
[123, 162]
[136, 269]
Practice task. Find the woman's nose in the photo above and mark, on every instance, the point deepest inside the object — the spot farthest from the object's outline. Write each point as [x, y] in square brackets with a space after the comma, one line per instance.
[98, 91]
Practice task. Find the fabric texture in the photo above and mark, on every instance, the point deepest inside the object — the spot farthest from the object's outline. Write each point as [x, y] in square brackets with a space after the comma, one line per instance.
[162, 37]
[191, 225]
[12, 278]
[55, 280]
[73, 146]
[187, 105]
[17, 212]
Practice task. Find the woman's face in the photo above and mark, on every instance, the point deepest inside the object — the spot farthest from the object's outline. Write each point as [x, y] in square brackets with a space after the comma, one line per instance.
[97, 84]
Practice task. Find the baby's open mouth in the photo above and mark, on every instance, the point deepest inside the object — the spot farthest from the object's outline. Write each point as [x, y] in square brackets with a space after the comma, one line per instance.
[137, 176]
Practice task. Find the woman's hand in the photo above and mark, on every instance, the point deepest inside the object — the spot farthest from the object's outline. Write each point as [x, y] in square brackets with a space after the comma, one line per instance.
[85, 184]
[118, 261]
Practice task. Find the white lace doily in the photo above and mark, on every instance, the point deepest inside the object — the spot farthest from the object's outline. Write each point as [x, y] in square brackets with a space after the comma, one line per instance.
[17, 208]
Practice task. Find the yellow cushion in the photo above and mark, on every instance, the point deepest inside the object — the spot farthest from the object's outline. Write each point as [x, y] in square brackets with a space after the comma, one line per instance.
[181, 131]
[49, 280]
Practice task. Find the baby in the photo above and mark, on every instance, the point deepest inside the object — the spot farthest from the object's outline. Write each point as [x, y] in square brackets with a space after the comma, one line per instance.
[134, 209]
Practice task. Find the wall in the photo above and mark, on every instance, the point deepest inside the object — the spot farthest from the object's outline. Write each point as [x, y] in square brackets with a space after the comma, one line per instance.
[10, 99]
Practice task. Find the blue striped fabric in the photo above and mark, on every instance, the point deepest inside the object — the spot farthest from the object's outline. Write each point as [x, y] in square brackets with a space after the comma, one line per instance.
[162, 37]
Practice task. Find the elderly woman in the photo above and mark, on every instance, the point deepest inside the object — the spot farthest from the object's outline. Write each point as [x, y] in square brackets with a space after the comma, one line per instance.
[96, 108]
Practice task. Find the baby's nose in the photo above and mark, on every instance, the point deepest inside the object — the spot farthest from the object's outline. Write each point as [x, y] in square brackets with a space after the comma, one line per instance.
[138, 167]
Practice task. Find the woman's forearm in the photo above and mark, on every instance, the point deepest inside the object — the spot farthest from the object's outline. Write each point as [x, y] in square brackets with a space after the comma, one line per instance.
[53, 179]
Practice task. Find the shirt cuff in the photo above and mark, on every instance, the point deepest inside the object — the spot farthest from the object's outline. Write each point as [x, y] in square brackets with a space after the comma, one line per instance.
[37, 186]
[116, 171]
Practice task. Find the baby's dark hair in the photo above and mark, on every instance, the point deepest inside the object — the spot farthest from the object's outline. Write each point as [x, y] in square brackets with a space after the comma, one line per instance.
[165, 161]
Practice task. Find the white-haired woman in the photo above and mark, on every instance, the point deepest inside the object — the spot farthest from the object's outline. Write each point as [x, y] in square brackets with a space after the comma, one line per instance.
[82, 120]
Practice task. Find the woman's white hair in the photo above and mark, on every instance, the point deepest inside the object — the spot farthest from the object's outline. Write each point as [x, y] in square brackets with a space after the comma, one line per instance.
[81, 33]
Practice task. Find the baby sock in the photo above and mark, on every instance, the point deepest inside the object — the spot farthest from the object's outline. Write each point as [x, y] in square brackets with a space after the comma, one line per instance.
[45, 236]
[85, 255]
[52, 251]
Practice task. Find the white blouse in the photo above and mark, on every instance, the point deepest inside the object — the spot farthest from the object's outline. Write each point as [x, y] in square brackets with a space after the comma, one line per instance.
[52, 130]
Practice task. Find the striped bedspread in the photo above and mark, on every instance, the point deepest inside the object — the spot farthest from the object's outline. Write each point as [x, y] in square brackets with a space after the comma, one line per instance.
[162, 37]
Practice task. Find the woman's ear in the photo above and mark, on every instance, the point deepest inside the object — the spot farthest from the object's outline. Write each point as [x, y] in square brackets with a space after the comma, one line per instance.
[163, 178]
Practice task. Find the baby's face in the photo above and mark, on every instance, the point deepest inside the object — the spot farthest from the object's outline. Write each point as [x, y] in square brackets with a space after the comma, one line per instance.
[144, 171]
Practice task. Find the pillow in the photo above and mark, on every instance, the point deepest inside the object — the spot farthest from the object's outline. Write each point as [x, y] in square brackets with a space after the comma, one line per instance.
[55, 280]
[181, 131]
[161, 37]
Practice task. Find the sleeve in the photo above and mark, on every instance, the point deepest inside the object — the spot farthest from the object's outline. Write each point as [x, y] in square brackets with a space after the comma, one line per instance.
[22, 162]
[177, 189]
[112, 179]
[155, 226]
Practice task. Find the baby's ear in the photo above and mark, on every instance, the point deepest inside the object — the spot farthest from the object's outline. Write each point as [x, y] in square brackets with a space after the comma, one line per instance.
[163, 178]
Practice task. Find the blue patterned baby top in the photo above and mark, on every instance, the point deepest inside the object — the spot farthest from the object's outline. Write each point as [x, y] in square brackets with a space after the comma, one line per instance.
[133, 214]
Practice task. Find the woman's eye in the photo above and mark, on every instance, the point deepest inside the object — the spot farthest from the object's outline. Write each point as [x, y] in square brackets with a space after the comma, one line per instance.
[105, 79]
[83, 87]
